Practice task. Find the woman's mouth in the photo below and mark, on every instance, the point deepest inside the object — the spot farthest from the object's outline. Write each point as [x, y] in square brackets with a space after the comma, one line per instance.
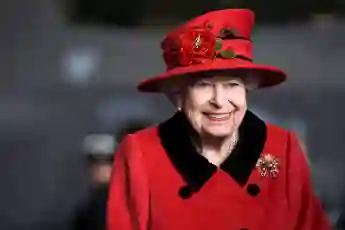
[217, 116]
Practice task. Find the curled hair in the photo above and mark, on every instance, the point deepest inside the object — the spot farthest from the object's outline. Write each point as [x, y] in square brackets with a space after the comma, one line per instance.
[174, 88]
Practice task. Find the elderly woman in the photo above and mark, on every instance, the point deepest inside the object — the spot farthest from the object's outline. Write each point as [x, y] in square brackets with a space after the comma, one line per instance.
[214, 165]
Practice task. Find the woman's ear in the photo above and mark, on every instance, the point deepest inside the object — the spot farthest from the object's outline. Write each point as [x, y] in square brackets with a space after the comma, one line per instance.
[175, 98]
[173, 90]
[178, 101]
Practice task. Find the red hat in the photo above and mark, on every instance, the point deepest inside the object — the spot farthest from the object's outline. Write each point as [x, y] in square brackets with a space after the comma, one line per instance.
[216, 41]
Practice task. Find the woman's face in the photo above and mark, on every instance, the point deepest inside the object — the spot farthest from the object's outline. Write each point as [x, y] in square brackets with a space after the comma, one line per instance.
[215, 105]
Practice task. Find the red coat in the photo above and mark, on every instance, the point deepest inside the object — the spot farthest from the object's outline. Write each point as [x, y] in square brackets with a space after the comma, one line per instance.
[160, 182]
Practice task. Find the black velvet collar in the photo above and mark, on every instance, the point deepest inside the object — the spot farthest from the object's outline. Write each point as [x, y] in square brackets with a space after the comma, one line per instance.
[194, 168]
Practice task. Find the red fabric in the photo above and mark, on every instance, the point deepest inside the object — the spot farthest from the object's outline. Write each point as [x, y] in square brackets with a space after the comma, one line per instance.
[184, 55]
[144, 192]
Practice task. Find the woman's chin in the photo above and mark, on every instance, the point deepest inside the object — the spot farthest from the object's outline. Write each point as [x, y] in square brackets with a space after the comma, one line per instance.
[217, 132]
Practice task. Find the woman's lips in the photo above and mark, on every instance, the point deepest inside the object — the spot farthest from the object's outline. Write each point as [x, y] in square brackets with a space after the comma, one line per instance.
[217, 116]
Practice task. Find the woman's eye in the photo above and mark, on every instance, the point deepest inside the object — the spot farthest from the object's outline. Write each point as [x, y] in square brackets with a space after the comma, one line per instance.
[232, 84]
[202, 84]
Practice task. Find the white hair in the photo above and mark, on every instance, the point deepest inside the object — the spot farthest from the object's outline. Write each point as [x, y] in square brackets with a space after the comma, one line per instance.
[174, 88]
[252, 81]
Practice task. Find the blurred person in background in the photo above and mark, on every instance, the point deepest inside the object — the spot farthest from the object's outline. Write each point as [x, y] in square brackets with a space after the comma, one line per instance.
[214, 164]
[99, 149]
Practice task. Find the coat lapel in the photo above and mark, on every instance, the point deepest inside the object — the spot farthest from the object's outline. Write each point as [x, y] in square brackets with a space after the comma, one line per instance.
[194, 168]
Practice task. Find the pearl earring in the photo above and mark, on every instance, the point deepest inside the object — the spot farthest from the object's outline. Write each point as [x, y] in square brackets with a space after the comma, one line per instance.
[179, 108]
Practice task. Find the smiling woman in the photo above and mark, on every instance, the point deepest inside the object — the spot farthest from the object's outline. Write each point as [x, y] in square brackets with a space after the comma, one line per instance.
[214, 164]
[215, 107]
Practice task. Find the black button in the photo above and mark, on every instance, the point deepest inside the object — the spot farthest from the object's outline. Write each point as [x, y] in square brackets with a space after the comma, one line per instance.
[253, 189]
[244, 229]
[185, 192]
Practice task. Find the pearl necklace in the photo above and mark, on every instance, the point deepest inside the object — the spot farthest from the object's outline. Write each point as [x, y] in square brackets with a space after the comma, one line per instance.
[232, 146]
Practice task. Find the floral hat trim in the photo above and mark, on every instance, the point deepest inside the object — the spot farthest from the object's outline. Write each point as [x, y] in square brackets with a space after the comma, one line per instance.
[197, 45]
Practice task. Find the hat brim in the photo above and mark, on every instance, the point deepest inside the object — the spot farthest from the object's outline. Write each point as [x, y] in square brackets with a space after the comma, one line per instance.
[269, 76]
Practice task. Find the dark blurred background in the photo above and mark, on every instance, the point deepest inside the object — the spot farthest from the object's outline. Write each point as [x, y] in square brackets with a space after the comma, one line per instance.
[69, 68]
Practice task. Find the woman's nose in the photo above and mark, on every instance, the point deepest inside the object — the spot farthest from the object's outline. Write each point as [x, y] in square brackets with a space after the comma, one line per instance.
[219, 96]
